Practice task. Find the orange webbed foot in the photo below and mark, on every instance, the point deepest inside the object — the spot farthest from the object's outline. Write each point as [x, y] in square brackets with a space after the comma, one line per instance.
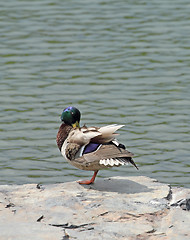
[87, 182]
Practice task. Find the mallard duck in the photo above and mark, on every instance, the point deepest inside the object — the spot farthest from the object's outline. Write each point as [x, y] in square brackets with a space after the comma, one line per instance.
[90, 148]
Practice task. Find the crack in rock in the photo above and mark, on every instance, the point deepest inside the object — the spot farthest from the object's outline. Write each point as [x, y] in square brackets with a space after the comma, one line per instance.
[73, 226]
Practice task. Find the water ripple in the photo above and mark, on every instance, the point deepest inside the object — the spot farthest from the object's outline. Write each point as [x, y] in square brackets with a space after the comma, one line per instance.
[119, 62]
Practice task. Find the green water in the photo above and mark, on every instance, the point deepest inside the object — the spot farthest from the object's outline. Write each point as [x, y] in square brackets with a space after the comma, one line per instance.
[125, 62]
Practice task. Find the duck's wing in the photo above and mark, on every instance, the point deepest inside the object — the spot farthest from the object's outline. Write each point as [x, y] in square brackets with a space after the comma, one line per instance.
[83, 136]
[76, 141]
[108, 155]
[106, 133]
[79, 138]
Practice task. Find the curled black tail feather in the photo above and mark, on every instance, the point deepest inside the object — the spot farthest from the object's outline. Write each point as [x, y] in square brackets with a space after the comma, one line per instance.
[128, 160]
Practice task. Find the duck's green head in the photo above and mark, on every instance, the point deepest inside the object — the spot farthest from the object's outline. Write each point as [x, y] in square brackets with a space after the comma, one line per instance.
[71, 116]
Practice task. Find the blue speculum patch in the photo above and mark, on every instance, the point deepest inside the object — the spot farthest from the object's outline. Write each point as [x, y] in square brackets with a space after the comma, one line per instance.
[91, 147]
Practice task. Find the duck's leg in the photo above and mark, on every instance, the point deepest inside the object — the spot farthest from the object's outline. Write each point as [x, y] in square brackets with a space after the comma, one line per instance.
[87, 182]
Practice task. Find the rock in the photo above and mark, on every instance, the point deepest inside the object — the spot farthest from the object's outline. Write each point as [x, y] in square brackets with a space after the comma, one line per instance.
[114, 208]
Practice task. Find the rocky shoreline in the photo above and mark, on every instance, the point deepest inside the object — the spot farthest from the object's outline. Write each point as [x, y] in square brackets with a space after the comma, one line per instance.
[138, 208]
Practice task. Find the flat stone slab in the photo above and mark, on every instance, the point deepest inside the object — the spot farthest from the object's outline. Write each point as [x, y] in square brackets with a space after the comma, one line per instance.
[111, 208]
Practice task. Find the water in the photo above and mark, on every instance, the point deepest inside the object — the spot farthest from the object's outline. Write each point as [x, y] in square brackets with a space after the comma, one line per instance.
[125, 62]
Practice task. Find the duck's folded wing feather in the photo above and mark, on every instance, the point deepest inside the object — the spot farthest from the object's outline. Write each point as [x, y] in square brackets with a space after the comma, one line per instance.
[107, 133]
[81, 137]
[107, 155]
[85, 135]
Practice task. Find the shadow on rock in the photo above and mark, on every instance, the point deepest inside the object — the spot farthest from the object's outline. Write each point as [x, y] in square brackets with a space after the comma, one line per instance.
[118, 185]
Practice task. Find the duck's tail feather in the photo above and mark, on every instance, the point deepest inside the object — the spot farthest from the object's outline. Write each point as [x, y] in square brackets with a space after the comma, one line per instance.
[126, 160]
[118, 161]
